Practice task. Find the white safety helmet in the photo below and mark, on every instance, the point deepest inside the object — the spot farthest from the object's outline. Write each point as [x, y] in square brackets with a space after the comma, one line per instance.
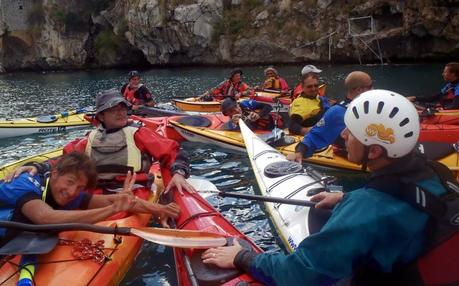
[385, 118]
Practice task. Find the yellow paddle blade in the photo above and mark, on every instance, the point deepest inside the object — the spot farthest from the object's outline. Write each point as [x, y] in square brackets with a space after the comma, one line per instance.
[180, 238]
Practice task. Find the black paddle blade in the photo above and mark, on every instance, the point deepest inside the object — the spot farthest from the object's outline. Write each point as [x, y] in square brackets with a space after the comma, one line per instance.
[30, 243]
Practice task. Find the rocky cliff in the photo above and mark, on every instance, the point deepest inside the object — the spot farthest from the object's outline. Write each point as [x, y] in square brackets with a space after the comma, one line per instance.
[51, 34]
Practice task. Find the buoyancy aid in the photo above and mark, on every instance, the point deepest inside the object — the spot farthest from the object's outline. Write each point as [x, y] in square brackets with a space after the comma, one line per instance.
[310, 109]
[438, 265]
[10, 194]
[229, 89]
[272, 83]
[116, 152]
[263, 123]
[449, 93]
[129, 94]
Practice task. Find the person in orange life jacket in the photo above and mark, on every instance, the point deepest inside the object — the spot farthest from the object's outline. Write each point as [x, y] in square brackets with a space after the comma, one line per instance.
[233, 87]
[328, 129]
[115, 145]
[306, 70]
[368, 227]
[273, 81]
[309, 107]
[136, 93]
[57, 195]
[256, 114]
[448, 97]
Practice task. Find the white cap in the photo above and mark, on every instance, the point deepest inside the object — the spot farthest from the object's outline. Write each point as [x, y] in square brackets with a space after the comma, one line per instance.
[310, 68]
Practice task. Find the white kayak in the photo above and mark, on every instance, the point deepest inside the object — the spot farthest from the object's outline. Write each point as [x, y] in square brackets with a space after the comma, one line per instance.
[279, 178]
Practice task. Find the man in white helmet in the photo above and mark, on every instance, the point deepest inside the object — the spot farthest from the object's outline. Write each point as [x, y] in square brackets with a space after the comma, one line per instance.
[371, 228]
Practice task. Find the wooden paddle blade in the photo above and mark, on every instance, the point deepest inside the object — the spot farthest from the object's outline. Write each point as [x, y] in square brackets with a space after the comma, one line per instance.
[180, 238]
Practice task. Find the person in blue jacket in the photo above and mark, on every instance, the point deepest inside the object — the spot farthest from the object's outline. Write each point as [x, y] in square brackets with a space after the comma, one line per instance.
[328, 129]
[368, 227]
[58, 194]
[255, 114]
[448, 97]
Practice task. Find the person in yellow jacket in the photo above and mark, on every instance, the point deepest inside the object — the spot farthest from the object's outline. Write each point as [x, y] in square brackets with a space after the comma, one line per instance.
[308, 107]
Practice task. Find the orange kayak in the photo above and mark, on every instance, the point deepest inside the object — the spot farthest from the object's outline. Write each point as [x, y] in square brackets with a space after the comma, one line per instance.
[63, 267]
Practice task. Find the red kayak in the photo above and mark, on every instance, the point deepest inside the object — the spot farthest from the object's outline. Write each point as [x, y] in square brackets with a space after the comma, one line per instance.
[197, 214]
[440, 116]
[162, 126]
[439, 133]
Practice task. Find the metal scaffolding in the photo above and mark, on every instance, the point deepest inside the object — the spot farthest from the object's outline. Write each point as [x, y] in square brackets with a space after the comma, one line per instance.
[362, 30]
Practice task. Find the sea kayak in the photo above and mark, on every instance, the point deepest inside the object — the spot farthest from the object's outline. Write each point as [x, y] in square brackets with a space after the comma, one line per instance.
[64, 266]
[279, 178]
[194, 104]
[197, 214]
[161, 124]
[43, 124]
[439, 116]
[443, 152]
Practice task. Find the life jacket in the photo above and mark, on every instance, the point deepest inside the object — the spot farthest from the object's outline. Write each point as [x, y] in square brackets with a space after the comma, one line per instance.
[438, 265]
[310, 109]
[9, 194]
[449, 93]
[263, 123]
[272, 83]
[229, 89]
[115, 153]
[129, 94]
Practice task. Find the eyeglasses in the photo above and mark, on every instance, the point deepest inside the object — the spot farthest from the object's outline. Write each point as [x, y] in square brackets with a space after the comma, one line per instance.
[312, 85]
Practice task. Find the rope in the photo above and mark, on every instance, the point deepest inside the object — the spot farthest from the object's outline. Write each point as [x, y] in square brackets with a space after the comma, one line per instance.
[66, 242]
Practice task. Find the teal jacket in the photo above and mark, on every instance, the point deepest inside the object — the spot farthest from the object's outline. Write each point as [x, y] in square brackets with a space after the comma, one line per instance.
[367, 227]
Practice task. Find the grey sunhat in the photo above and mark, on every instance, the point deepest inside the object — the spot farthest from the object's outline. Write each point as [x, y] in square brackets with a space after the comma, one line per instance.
[109, 98]
[310, 68]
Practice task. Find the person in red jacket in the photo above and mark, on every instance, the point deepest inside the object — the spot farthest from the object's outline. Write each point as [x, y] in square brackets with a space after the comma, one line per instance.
[118, 148]
[136, 93]
[233, 87]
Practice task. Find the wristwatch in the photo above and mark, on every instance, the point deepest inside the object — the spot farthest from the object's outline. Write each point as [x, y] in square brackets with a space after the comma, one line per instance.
[180, 172]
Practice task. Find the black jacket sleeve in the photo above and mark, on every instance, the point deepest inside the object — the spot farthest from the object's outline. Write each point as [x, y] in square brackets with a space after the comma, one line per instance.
[182, 162]
[295, 124]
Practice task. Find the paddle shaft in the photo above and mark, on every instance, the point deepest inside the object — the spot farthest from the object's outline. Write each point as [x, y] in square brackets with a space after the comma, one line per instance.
[268, 199]
[65, 227]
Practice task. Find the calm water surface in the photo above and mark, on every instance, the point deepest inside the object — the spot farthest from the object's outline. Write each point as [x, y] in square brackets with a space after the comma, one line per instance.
[29, 94]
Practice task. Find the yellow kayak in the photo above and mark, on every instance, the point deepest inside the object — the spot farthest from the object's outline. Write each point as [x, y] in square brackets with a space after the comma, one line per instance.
[444, 152]
[193, 103]
[6, 169]
[43, 124]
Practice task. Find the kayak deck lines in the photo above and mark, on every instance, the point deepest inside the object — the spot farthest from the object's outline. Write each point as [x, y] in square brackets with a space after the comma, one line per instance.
[107, 251]
[284, 179]
[265, 152]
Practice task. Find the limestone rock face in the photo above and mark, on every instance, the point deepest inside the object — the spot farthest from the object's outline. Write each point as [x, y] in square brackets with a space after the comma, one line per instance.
[167, 34]
[52, 34]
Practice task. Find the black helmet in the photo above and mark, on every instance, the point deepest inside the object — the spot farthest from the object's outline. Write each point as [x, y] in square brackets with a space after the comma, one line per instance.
[133, 74]
[235, 71]
[227, 105]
